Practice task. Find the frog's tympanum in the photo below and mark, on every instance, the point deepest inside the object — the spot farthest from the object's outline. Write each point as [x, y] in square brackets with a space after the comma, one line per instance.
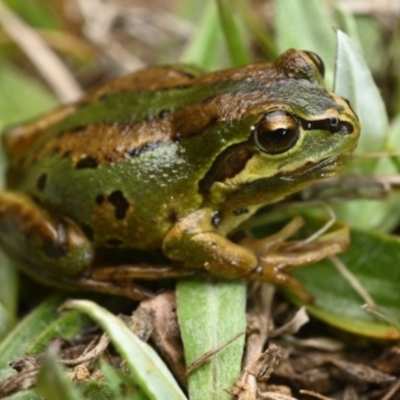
[170, 162]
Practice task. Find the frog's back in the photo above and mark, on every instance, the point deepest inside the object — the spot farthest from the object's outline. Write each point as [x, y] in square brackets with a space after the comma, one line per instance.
[91, 171]
[19, 139]
[132, 154]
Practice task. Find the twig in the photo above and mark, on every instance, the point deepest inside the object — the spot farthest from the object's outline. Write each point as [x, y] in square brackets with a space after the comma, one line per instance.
[354, 282]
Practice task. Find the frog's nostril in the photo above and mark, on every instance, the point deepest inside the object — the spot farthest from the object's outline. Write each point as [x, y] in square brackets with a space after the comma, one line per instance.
[334, 121]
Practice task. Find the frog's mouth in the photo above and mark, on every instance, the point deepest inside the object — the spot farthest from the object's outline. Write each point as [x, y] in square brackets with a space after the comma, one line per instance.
[325, 168]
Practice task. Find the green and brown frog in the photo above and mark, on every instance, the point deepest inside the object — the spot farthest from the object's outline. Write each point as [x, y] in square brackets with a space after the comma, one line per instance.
[164, 160]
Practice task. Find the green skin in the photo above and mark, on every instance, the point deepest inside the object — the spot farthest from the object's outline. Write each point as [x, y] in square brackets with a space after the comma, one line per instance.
[164, 160]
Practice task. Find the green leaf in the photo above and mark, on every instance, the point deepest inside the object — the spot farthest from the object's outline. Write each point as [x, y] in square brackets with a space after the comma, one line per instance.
[347, 23]
[36, 13]
[21, 97]
[123, 386]
[374, 259]
[15, 344]
[255, 25]
[8, 295]
[66, 325]
[353, 81]
[306, 25]
[99, 390]
[211, 313]
[394, 140]
[231, 26]
[25, 395]
[52, 381]
[204, 48]
[149, 372]
[6, 321]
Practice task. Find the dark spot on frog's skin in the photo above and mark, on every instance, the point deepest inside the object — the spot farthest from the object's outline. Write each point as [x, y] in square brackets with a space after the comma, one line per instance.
[173, 217]
[56, 150]
[99, 199]
[66, 154]
[87, 162]
[114, 242]
[182, 86]
[41, 182]
[76, 129]
[216, 218]
[147, 147]
[120, 203]
[110, 158]
[88, 231]
[59, 248]
[240, 211]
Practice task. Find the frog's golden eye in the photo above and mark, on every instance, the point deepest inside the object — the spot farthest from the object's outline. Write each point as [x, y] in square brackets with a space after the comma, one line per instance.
[316, 59]
[277, 132]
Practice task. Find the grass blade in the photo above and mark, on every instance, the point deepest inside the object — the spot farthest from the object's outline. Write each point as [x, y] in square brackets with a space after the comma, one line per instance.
[211, 313]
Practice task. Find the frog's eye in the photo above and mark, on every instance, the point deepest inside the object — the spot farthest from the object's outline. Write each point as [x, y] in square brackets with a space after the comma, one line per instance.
[316, 59]
[277, 132]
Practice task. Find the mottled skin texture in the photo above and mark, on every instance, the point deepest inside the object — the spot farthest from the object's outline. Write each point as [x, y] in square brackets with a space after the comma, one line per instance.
[162, 159]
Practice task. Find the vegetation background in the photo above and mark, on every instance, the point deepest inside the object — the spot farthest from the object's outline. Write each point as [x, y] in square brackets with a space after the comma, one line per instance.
[53, 51]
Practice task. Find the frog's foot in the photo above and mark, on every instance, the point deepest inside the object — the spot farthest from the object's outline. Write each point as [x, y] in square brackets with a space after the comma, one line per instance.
[277, 257]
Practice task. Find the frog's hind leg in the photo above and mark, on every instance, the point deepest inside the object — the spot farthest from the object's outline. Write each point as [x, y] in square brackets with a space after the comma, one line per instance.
[120, 278]
[53, 250]
[124, 272]
[47, 247]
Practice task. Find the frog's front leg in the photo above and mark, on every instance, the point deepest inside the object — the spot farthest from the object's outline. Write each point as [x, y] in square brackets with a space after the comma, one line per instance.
[52, 249]
[196, 242]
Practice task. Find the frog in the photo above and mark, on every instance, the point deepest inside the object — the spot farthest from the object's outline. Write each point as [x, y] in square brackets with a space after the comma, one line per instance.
[172, 162]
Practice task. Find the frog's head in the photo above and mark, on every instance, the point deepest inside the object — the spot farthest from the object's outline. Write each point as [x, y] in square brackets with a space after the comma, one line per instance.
[298, 133]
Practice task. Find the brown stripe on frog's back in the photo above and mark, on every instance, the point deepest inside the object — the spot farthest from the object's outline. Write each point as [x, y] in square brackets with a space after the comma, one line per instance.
[126, 124]
[161, 78]
[142, 95]
[135, 103]
[18, 139]
[149, 79]
[92, 145]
